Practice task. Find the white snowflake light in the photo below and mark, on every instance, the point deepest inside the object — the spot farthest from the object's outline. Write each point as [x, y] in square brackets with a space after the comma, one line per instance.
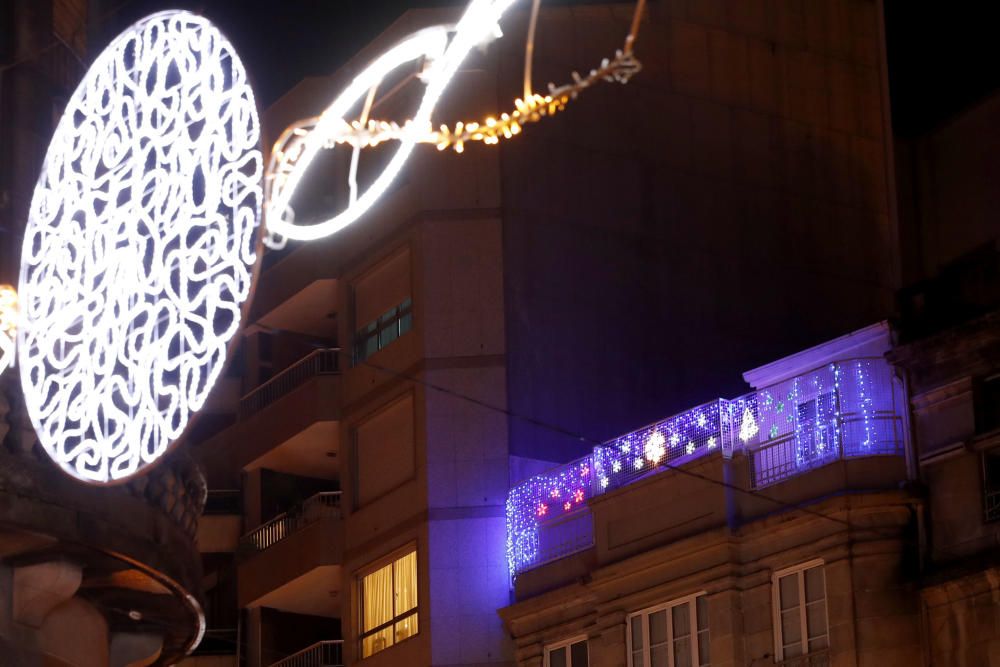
[655, 449]
[140, 247]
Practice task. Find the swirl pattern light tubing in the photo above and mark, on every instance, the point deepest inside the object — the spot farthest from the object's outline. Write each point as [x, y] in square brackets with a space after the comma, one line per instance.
[140, 247]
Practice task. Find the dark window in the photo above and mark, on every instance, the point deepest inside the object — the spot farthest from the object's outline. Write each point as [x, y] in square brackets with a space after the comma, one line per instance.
[988, 404]
[376, 335]
[991, 484]
[568, 655]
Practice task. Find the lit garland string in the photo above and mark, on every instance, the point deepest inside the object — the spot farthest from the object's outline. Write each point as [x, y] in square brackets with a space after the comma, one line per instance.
[140, 247]
[299, 145]
[843, 409]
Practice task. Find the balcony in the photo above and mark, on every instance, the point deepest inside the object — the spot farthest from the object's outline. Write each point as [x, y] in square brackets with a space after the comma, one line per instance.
[324, 505]
[287, 424]
[846, 410]
[320, 654]
[298, 293]
[292, 562]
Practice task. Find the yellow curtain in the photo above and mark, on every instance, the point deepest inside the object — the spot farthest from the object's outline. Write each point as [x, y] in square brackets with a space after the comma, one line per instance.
[405, 576]
[377, 609]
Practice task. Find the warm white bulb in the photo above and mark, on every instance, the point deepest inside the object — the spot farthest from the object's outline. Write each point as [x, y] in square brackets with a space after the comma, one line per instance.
[140, 247]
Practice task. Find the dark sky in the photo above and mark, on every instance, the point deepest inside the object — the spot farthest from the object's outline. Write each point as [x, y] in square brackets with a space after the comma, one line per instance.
[943, 56]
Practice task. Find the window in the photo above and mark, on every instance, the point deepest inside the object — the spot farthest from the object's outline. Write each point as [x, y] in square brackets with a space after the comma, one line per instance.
[383, 305]
[799, 599]
[991, 484]
[571, 653]
[987, 404]
[671, 635]
[389, 604]
[380, 332]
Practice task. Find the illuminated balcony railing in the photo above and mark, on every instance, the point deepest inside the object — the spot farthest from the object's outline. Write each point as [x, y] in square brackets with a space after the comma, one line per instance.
[320, 654]
[847, 409]
[320, 362]
[321, 506]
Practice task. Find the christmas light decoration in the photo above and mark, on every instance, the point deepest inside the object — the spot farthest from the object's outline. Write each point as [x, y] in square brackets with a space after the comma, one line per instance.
[845, 409]
[299, 145]
[140, 245]
[748, 425]
[8, 326]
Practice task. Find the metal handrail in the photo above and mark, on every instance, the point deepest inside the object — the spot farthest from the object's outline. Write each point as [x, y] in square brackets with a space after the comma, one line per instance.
[323, 505]
[318, 362]
[328, 653]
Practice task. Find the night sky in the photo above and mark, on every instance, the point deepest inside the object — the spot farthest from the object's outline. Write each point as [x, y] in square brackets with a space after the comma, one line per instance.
[943, 57]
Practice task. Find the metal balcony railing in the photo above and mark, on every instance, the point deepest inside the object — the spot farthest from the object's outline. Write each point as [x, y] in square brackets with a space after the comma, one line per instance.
[320, 654]
[321, 506]
[847, 409]
[320, 362]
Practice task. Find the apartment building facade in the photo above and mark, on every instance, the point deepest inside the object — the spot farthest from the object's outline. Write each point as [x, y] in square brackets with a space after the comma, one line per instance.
[775, 528]
[502, 309]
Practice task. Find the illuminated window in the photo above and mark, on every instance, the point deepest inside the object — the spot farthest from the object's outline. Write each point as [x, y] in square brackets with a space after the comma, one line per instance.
[670, 635]
[389, 604]
[799, 599]
[570, 653]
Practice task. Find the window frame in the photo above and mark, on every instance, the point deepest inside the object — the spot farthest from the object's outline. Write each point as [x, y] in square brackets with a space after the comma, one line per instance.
[666, 606]
[359, 578]
[391, 319]
[985, 420]
[798, 570]
[565, 643]
[991, 503]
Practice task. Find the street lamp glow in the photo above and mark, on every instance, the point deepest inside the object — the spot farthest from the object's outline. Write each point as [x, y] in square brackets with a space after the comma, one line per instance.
[140, 247]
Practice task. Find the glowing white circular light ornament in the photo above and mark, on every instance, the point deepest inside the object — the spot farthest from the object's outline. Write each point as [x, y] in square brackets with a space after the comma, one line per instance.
[141, 246]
